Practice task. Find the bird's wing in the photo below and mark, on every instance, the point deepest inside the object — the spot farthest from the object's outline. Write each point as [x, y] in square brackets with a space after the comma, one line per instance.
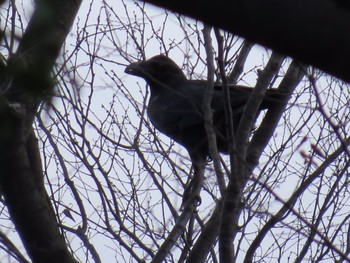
[174, 113]
[239, 96]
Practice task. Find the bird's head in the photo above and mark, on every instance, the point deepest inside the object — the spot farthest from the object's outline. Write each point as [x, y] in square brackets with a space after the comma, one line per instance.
[158, 69]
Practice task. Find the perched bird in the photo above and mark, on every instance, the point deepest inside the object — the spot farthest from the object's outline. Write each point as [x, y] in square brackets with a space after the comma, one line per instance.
[175, 104]
[175, 107]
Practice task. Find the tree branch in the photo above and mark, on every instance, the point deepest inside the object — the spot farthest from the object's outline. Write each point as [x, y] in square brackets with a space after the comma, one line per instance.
[21, 178]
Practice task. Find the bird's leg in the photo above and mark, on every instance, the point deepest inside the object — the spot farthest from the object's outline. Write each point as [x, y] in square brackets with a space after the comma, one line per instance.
[191, 193]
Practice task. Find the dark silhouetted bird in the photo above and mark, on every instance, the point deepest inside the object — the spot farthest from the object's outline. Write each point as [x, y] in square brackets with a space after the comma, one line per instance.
[175, 106]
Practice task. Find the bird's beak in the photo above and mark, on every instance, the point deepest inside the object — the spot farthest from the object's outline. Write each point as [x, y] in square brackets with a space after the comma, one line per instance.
[136, 69]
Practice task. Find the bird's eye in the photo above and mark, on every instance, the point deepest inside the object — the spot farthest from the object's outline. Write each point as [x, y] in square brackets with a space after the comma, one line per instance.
[159, 66]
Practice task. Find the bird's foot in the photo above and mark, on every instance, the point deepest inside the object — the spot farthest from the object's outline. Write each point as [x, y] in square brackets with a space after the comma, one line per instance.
[191, 197]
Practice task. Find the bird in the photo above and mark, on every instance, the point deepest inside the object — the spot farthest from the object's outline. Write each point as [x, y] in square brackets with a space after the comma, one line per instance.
[175, 107]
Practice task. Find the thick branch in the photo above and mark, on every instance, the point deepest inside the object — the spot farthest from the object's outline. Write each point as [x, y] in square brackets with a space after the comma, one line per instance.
[207, 237]
[254, 102]
[21, 178]
[291, 80]
[188, 212]
[207, 110]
